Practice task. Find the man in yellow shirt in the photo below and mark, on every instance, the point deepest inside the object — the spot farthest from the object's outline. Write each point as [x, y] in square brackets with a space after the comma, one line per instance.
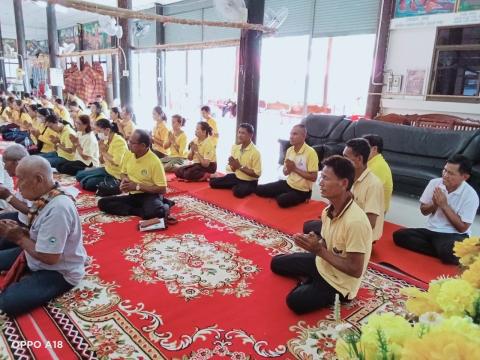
[367, 189]
[61, 111]
[335, 261]
[207, 116]
[301, 168]
[378, 166]
[244, 165]
[143, 180]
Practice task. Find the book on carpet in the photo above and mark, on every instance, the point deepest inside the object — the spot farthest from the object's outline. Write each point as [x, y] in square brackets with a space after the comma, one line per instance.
[152, 224]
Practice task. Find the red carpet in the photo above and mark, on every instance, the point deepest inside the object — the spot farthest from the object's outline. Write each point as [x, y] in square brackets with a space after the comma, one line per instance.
[202, 289]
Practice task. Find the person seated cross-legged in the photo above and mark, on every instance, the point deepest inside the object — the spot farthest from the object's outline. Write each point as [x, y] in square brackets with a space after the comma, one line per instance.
[203, 155]
[336, 260]
[301, 168]
[451, 205]
[52, 249]
[144, 181]
[244, 165]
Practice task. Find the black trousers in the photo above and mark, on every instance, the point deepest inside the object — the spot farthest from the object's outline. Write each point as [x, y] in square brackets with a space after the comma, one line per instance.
[436, 244]
[313, 292]
[195, 171]
[146, 206]
[283, 193]
[312, 225]
[241, 188]
[71, 167]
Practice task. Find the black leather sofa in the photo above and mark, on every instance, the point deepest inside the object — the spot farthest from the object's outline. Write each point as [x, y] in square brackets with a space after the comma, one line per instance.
[415, 154]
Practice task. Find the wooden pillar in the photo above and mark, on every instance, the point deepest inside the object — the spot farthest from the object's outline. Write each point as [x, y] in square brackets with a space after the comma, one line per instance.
[53, 43]
[160, 60]
[22, 50]
[125, 62]
[249, 66]
[3, 74]
[376, 80]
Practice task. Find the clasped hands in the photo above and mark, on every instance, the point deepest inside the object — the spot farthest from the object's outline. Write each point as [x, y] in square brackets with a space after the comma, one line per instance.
[127, 185]
[11, 231]
[310, 242]
[289, 166]
[234, 163]
[439, 199]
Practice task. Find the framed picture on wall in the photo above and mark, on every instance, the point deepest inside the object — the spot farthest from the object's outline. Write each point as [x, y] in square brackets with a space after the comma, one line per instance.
[93, 38]
[467, 5]
[414, 82]
[36, 47]
[404, 8]
[70, 35]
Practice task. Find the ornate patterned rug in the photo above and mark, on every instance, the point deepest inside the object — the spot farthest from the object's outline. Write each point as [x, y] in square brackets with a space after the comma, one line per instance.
[201, 289]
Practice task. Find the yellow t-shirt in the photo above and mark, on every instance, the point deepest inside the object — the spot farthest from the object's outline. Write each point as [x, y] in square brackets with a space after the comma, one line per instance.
[48, 145]
[379, 167]
[128, 129]
[63, 114]
[348, 232]
[213, 124]
[367, 191]
[146, 170]
[66, 142]
[100, 116]
[15, 117]
[181, 141]
[160, 133]
[305, 159]
[25, 118]
[206, 149]
[248, 157]
[37, 125]
[117, 149]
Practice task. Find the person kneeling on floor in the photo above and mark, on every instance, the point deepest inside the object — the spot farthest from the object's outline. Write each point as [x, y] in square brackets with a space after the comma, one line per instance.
[52, 250]
[337, 259]
[143, 178]
[301, 169]
[451, 205]
[244, 165]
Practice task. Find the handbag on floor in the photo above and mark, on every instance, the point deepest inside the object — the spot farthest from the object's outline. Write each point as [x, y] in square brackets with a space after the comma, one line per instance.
[108, 187]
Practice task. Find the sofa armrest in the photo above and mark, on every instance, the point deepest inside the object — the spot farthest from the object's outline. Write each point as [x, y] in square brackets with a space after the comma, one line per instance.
[284, 145]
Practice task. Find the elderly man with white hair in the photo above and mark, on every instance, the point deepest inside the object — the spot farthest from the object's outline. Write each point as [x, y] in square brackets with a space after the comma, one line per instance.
[52, 247]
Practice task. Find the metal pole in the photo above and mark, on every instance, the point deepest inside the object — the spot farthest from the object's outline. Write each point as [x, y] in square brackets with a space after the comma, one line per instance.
[160, 38]
[3, 73]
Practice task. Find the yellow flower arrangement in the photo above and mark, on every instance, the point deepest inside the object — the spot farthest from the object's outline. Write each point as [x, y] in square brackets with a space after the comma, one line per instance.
[472, 274]
[467, 250]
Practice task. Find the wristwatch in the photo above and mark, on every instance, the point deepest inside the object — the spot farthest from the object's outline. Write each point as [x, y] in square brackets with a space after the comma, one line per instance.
[137, 187]
[9, 198]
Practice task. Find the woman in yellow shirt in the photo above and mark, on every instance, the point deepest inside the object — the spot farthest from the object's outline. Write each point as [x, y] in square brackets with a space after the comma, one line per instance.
[202, 153]
[63, 144]
[126, 123]
[112, 148]
[160, 133]
[96, 112]
[177, 143]
[43, 133]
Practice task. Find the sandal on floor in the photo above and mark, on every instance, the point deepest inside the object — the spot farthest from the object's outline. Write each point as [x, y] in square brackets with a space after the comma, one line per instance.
[171, 220]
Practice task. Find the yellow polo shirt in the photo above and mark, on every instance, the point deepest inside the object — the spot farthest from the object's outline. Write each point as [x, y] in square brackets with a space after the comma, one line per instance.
[146, 170]
[367, 191]
[181, 141]
[206, 149]
[15, 117]
[379, 167]
[128, 129]
[305, 159]
[348, 232]
[213, 124]
[248, 157]
[66, 142]
[160, 133]
[44, 137]
[117, 149]
[25, 118]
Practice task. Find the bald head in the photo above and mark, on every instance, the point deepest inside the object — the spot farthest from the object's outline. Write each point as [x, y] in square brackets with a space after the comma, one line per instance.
[298, 135]
[35, 177]
[36, 165]
[15, 152]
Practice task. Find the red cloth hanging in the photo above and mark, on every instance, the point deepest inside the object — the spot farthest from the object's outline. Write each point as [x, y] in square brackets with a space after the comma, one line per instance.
[100, 84]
